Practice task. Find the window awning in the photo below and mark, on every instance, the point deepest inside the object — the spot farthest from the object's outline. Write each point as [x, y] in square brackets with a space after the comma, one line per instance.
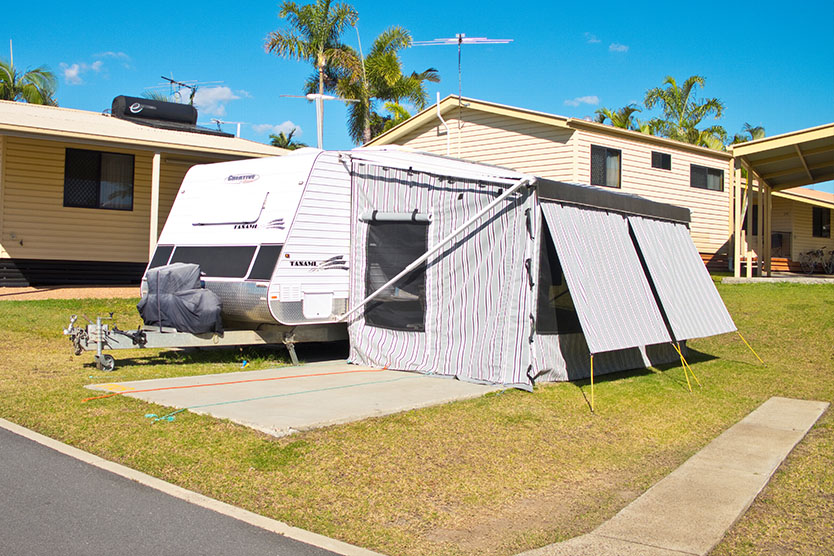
[690, 301]
[612, 296]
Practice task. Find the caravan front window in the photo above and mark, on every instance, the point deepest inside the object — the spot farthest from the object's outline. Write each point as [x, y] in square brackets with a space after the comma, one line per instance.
[391, 247]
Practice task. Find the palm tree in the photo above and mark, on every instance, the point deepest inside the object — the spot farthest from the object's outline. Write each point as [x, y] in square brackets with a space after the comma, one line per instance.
[314, 35]
[749, 133]
[379, 123]
[379, 77]
[36, 86]
[620, 118]
[682, 112]
[285, 141]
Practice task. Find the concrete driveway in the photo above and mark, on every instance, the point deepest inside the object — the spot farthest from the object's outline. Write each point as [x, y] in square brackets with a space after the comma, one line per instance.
[289, 399]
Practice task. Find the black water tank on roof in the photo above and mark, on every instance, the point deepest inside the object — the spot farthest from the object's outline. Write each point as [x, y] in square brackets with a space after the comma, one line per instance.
[147, 109]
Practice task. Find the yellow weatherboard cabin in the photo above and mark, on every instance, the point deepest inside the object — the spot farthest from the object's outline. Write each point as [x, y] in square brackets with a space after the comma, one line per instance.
[700, 179]
[84, 195]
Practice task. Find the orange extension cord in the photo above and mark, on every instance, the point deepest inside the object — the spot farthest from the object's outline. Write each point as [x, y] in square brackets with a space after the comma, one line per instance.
[232, 382]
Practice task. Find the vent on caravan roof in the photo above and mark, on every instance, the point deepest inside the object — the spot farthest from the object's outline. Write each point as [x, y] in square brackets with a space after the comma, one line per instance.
[160, 114]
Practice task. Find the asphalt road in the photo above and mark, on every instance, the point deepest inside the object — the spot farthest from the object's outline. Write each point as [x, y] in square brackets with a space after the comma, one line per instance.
[51, 503]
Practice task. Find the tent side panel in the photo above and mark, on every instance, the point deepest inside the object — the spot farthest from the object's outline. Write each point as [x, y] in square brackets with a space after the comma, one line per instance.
[477, 299]
[610, 291]
[684, 287]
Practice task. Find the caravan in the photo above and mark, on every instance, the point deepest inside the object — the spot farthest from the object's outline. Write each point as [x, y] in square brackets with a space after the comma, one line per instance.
[437, 265]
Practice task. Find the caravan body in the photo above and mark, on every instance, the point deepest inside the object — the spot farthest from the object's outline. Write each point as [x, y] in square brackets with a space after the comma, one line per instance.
[271, 236]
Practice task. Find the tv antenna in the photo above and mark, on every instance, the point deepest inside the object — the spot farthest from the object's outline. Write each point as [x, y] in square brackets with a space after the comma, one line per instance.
[460, 39]
[218, 122]
[190, 85]
[319, 99]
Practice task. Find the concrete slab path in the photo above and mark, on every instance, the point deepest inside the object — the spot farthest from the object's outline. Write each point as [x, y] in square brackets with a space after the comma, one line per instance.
[289, 399]
[690, 511]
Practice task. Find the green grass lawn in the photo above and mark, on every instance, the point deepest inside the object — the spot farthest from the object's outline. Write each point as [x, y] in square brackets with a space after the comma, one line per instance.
[495, 475]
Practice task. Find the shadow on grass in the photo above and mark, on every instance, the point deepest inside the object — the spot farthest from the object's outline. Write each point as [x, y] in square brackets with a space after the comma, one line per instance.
[307, 353]
[692, 356]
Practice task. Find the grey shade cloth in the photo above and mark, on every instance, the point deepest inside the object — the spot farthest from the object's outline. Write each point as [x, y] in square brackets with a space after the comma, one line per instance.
[612, 296]
[176, 300]
[692, 305]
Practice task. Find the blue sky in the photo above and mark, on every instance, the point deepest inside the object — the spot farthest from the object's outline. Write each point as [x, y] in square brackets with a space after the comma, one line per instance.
[770, 65]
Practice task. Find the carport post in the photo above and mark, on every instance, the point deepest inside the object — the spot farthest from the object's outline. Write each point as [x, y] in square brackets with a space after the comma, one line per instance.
[748, 211]
[737, 219]
[154, 224]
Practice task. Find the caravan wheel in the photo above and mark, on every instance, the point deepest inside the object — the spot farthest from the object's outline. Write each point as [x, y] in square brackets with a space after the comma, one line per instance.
[106, 363]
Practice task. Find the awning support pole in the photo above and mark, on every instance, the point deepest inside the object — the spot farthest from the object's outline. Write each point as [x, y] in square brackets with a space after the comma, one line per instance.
[592, 383]
[751, 348]
[525, 181]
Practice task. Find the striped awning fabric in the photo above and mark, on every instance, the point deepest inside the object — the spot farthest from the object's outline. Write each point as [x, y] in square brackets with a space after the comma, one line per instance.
[689, 298]
[612, 296]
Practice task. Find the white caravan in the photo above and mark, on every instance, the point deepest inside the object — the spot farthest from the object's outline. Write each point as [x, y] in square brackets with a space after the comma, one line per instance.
[271, 236]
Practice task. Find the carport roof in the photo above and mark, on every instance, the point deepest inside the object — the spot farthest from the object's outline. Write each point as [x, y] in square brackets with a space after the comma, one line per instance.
[792, 159]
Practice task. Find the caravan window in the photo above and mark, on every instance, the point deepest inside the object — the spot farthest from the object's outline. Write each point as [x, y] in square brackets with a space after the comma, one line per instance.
[555, 313]
[391, 247]
[222, 261]
[265, 262]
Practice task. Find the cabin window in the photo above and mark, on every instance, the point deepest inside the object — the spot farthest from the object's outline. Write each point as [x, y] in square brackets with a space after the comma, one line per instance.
[706, 178]
[821, 222]
[661, 160]
[224, 261]
[555, 313]
[392, 246]
[100, 180]
[605, 166]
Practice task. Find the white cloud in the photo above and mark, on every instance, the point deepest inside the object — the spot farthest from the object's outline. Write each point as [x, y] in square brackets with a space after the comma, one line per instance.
[212, 100]
[120, 56]
[591, 38]
[285, 127]
[96, 66]
[617, 47]
[590, 99]
[72, 73]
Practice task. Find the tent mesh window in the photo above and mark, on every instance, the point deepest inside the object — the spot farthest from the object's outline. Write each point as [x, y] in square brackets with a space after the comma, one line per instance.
[265, 262]
[391, 247]
[555, 313]
[605, 166]
[702, 177]
[217, 261]
[94, 179]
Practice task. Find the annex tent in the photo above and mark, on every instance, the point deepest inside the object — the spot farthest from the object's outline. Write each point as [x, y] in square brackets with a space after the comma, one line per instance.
[491, 276]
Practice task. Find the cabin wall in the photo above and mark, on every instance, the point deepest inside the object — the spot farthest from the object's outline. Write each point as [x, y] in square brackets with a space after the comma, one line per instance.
[564, 154]
[709, 227]
[804, 240]
[44, 242]
[525, 146]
